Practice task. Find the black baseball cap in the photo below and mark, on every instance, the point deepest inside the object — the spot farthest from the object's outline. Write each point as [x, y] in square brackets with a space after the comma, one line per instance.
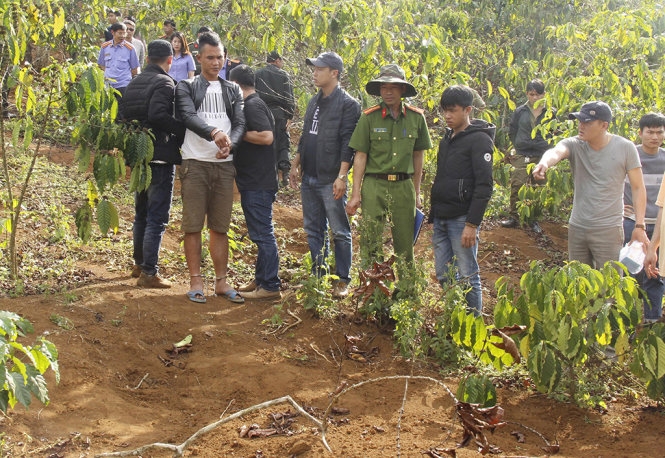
[160, 48]
[591, 111]
[327, 59]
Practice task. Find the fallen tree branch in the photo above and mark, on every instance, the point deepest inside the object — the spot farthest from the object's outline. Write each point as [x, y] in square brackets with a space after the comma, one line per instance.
[178, 450]
[296, 323]
[141, 382]
[473, 425]
[316, 350]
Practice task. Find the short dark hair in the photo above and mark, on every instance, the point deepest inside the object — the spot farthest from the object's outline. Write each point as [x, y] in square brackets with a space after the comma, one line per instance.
[457, 95]
[204, 28]
[536, 85]
[157, 60]
[209, 38]
[118, 26]
[130, 18]
[170, 22]
[243, 75]
[652, 120]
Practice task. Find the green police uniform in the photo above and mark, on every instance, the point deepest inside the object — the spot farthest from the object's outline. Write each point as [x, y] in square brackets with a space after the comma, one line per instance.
[387, 185]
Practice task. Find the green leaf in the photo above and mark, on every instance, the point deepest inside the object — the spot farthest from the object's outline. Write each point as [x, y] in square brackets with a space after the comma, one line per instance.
[37, 385]
[477, 389]
[544, 368]
[20, 389]
[83, 220]
[655, 356]
[104, 216]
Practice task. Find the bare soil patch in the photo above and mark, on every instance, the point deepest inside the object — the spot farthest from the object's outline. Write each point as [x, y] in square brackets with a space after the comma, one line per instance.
[122, 389]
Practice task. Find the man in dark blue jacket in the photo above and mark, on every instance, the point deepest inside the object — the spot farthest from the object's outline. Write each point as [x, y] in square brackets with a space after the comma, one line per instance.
[461, 190]
[322, 162]
[149, 100]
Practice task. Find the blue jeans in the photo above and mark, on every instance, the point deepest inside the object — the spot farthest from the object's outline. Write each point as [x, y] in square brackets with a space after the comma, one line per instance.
[257, 207]
[448, 251]
[152, 208]
[320, 209]
[653, 287]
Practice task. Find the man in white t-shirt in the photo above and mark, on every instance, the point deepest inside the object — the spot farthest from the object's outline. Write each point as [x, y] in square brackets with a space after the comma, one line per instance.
[600, 162]
[212, 110]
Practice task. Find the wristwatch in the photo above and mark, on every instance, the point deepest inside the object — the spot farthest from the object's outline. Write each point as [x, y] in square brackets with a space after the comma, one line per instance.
[640, 226]
[342, 177]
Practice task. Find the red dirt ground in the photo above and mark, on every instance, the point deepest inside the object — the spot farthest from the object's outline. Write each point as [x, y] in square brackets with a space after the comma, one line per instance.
[121, 390]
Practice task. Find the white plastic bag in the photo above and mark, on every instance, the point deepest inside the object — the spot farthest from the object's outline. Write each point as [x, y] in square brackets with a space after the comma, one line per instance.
[632, 256]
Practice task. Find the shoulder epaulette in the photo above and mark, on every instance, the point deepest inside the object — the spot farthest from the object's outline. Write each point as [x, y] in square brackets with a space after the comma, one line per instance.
[372, 109]
[128, 45]
[416, 109]
[107, 44]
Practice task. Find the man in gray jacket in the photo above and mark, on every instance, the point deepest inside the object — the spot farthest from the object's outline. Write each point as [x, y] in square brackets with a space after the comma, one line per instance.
[322, 163]
[212, 110]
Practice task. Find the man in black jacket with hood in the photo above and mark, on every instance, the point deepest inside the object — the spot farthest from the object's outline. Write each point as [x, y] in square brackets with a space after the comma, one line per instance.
[149, 100]
[460, 193]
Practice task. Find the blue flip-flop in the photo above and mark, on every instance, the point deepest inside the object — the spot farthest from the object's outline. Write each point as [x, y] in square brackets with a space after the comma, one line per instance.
[232, 295]
[196, 295]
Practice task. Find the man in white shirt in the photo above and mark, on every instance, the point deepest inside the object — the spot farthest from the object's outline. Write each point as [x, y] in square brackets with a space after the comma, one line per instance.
[212, 110]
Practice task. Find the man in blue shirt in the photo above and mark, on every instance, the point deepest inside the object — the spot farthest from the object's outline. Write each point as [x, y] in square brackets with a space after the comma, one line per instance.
[118, 59]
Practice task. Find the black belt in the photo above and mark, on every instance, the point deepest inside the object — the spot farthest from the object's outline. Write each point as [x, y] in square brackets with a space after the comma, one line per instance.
[390, 176]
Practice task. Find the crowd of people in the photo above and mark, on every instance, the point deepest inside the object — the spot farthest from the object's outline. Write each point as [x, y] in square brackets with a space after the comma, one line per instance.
[225, 123]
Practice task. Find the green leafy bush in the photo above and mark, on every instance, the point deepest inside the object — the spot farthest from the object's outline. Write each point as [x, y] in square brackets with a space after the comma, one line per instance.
[649, 361]
[569, 313]
[22, 367]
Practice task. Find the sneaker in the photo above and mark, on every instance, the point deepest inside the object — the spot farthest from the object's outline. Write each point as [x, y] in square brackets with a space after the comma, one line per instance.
[136, 271]
[340, 290]
[509, 222]
[152, 281]
[535, 227]
[260, 293]
[247, 287]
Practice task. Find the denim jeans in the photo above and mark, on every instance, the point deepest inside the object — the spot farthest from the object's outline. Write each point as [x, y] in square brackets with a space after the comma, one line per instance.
[448, 251]
[152, 208]
[653, 287]
[257, 207]
[320, 209]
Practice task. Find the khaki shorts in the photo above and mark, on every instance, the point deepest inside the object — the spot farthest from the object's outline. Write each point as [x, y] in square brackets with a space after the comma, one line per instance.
[207, 190]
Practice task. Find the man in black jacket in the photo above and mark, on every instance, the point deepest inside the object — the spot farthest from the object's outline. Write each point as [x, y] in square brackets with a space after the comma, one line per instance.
[212, 110]
[460, 193]
[149, 100]
[322, 163]
[274, 87]
[528, 148]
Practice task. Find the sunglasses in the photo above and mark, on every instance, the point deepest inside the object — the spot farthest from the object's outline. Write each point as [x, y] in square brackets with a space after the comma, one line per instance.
[130, 30]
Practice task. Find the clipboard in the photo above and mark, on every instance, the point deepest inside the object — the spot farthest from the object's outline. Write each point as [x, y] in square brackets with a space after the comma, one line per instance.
[418, 224]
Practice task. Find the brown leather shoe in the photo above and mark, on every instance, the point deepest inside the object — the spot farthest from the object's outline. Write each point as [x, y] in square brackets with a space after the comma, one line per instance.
[260, 293]
[152, 281]
[247, 287]
[340, 290]
[136, 271]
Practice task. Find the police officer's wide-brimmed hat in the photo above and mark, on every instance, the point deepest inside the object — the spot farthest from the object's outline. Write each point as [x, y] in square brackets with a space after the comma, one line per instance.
[391, 73]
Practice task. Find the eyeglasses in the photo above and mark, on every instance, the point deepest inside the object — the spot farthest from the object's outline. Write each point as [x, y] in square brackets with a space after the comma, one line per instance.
[130, 30]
